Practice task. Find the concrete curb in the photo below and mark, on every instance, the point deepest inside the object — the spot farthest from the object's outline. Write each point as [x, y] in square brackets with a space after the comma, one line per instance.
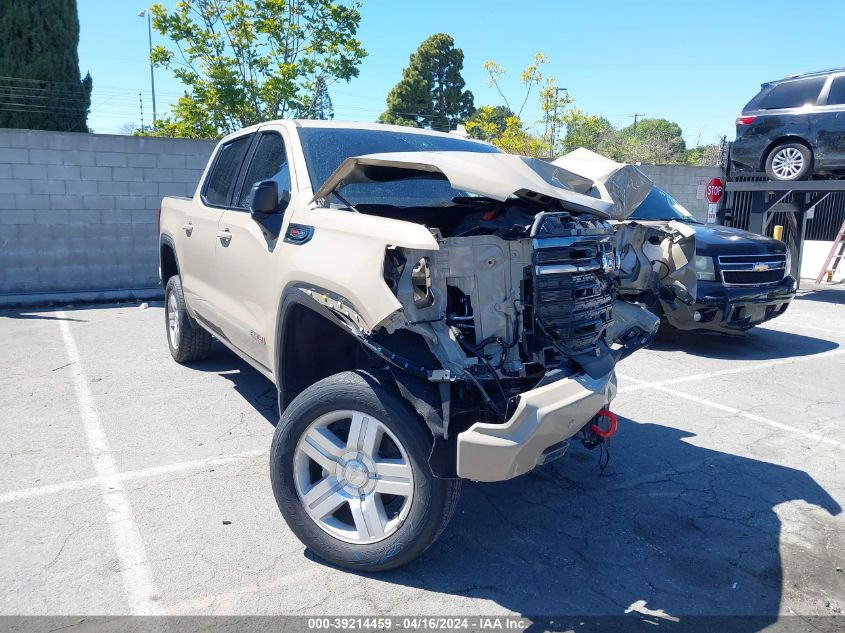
[80, 296]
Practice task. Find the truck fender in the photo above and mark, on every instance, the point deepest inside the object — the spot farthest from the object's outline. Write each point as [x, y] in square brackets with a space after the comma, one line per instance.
[167, 240]
[422, 395]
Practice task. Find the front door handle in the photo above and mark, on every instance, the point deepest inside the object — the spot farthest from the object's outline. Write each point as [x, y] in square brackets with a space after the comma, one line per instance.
[225, 235]
[189, 228]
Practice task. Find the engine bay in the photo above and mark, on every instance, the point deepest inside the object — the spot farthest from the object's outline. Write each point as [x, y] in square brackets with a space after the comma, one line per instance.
[514, 295]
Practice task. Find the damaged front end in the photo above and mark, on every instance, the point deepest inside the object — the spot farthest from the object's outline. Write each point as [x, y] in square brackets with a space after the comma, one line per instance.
[518, 312]
[657, 265]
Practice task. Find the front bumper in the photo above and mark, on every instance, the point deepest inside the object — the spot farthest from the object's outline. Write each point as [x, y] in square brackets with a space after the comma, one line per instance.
[731, 310]
[545, 416]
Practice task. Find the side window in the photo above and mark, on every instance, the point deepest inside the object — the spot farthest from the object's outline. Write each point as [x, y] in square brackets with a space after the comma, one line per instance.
[837, 91]
[793, 94]
[224, 172]
[269, 162]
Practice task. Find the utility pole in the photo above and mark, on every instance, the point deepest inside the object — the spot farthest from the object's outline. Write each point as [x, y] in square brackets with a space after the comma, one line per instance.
[146, 12]
[635, 116]
[141, 103]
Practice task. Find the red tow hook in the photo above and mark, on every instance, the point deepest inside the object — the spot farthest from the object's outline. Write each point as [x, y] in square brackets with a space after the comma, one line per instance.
[613, 423]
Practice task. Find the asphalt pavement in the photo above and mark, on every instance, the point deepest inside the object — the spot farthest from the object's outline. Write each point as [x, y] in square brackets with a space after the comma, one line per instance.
[133, 485]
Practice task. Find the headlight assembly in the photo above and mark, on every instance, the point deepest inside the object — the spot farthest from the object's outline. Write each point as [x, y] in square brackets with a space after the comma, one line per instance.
[703, 266]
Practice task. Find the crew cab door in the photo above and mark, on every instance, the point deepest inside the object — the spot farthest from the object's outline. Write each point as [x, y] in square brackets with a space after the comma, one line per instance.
[199, 231]
[828, 121]
[245, 256]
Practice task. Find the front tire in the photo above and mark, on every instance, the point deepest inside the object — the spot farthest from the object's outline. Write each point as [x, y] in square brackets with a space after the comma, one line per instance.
[187, 341]
[350, 474]
[790, 161]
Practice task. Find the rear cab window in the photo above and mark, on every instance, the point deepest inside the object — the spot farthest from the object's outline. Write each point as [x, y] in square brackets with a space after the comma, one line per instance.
[794, 93]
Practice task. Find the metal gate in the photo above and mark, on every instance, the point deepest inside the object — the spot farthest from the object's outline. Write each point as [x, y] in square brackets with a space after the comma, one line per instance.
[828, 213]
[806, 209]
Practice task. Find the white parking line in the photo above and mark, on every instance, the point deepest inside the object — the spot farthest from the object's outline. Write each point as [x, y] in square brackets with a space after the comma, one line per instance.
[138, 584]
[734, 411]
[641, 384]
[92, 482]
[800, 326]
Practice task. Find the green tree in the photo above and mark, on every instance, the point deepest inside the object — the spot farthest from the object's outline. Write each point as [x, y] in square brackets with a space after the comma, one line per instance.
[530, 77]
[703, 155]
[247, 61]
[318, 105]
[654, 141]
[590, 131]
[431, 92]
[553, 106]
[40, 84]
[488, 122]
[553, 102]
[517, 139]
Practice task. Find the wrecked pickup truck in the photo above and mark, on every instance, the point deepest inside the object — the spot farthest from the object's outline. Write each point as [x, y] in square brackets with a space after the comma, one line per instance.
[695, 276]
[429, 308]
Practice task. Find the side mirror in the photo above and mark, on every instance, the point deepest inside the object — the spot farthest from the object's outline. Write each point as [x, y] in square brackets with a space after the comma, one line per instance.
[265, 208]
[264, 197]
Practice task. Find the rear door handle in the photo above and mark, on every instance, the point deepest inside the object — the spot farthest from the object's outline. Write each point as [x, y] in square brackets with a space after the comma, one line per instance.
[189, 228]
[225, 235]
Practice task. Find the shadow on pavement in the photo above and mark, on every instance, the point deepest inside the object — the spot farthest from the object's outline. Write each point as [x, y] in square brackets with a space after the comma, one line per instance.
[672, 527]
[30, 314]
[757, 344]
[825, 295]
[251, 385]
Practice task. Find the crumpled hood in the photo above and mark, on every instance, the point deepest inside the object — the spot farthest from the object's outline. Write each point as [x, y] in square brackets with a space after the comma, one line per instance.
[493, 175]
[620, 183]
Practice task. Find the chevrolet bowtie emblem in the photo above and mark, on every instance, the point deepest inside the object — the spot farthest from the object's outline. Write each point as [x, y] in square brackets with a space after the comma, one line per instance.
[758, 268]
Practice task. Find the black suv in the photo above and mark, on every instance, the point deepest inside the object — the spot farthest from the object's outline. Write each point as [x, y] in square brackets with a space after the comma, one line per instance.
[794, 127]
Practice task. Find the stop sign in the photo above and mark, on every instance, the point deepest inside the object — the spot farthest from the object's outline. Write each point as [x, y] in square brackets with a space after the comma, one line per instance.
[714, 190]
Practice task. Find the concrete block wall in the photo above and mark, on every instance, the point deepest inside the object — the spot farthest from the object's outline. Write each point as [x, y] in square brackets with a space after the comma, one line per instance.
[683, 182]
[78, 212]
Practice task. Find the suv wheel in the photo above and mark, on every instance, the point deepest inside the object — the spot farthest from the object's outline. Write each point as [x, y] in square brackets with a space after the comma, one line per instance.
[790, 161]
[187, 340]
[349, 468]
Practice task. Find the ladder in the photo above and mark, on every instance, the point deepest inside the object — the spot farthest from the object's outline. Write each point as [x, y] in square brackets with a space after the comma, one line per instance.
[837, 251]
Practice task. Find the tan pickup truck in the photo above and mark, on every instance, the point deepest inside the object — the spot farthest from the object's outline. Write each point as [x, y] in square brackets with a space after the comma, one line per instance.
[429, 308]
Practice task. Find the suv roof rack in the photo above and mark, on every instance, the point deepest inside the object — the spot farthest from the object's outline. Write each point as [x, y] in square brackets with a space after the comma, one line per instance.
[813, 73]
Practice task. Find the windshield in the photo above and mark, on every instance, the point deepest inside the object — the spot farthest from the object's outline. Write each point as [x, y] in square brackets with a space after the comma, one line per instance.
[659, 205]
[325, 148]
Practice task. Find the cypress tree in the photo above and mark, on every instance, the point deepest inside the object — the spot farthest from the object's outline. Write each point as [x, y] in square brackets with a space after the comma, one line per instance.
[431, 92]
[319, 104]
[40, 84]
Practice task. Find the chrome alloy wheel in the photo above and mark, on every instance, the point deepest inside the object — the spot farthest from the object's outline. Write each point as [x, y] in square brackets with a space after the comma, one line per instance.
[787, 162]
[173, 320]
[353, 477]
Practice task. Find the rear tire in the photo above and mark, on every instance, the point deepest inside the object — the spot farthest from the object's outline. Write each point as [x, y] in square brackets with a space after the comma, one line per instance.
[350, 474]
[789, 161]
[187, 341]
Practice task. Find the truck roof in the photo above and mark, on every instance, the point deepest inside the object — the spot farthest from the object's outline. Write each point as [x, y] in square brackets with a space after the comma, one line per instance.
[348, 125]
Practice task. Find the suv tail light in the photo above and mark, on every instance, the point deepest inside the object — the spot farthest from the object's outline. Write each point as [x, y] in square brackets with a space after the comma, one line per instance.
[745, 120]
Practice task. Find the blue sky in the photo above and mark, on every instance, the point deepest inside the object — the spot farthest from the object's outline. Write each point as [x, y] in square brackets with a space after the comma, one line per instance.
[694, 63]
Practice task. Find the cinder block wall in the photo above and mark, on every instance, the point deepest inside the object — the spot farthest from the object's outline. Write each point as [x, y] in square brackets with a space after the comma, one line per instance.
[683, 182]
[78, 212]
